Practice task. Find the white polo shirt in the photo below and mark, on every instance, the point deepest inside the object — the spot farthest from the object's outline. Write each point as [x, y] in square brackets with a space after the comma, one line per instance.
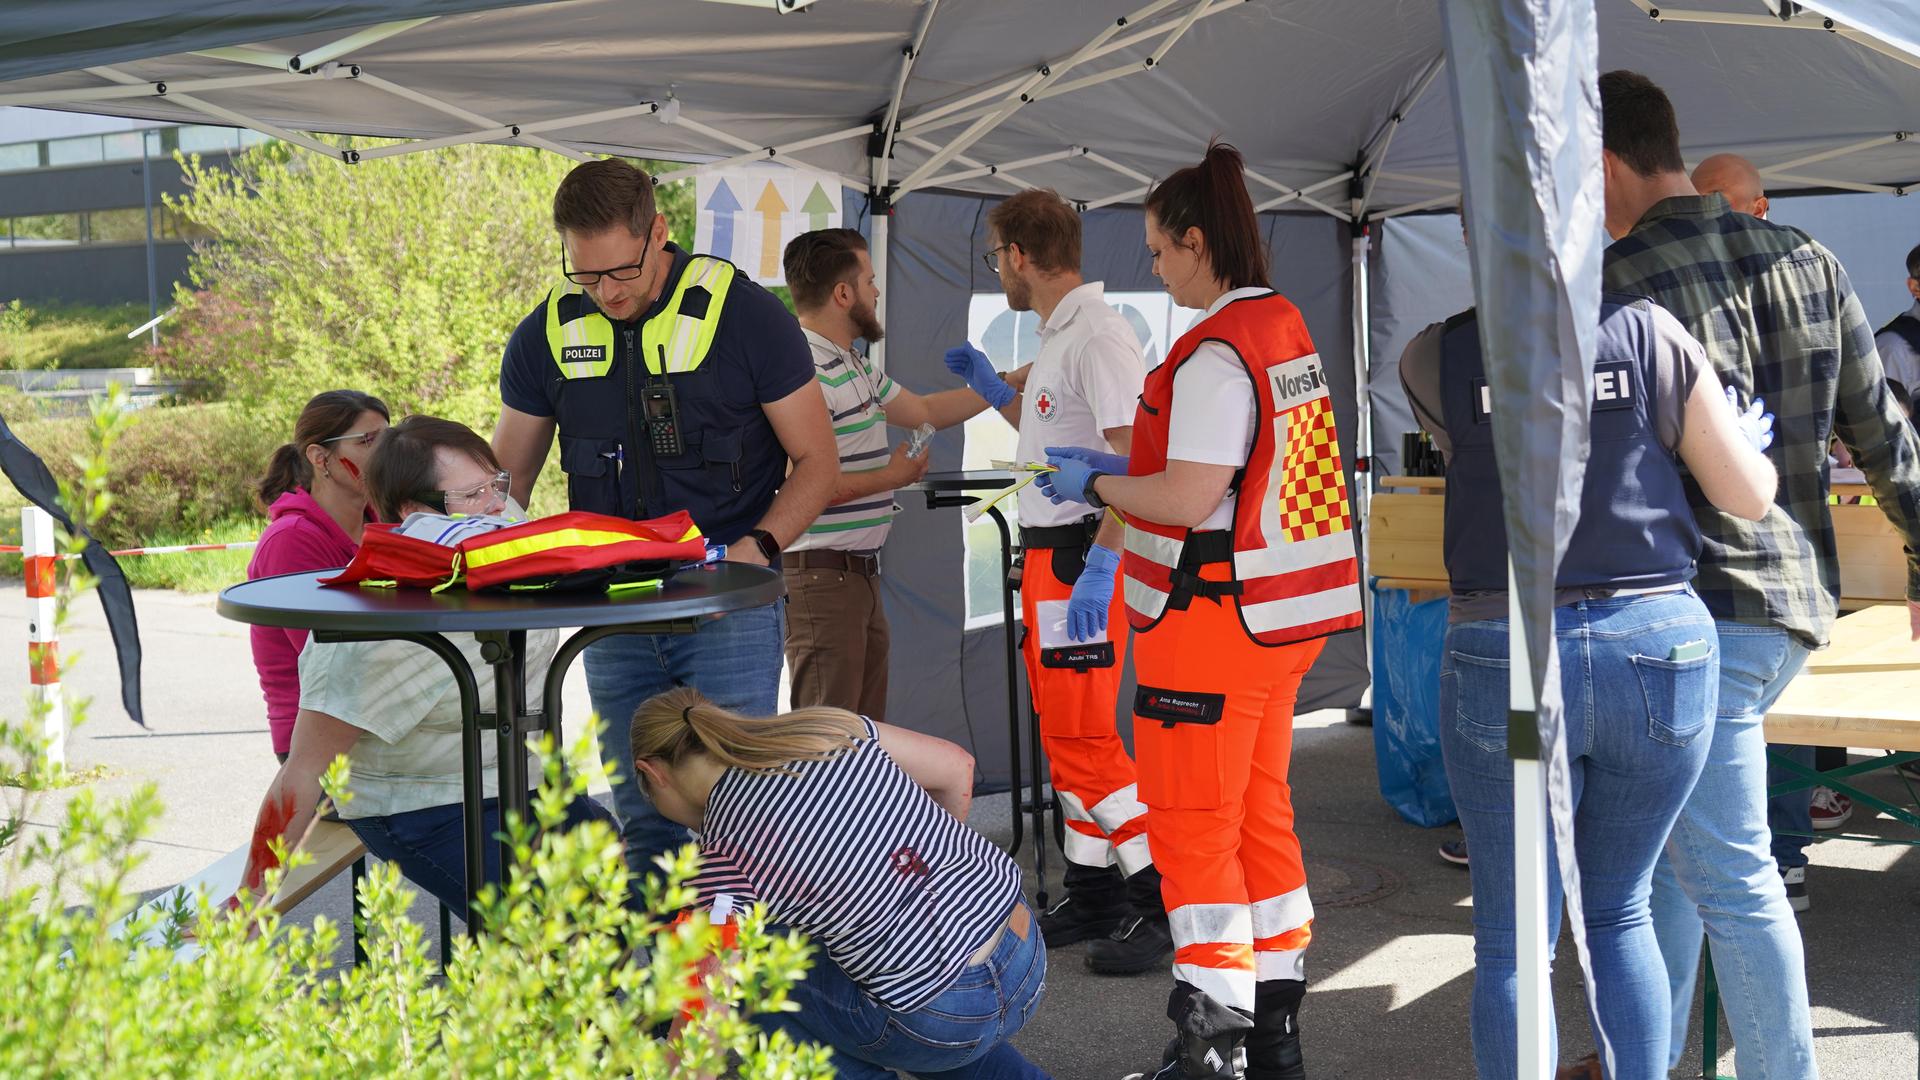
[1087, 379]
[1214, 409]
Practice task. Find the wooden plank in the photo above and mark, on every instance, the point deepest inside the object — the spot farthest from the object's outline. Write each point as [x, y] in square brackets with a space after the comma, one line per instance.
[1863, 690]
[1873, 561]
[333, 845]
[1405, 537]
[1413, 483]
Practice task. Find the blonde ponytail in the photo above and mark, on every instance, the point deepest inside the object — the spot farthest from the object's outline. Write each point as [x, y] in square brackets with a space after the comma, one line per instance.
[682, 721]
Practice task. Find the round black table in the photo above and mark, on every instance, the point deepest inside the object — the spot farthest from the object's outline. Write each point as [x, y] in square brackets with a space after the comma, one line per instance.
[951, 489]
[500, 620]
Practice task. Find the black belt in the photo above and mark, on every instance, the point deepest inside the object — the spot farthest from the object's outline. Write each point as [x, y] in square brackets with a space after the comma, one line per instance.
[1072, 536]
[1201, 549]
[866, 563]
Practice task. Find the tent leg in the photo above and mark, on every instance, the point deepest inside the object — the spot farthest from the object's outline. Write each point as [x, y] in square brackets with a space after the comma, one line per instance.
[1363, 425]
[1533, 937]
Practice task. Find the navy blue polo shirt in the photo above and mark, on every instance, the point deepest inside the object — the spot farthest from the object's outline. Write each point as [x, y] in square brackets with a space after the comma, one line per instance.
[735, 463]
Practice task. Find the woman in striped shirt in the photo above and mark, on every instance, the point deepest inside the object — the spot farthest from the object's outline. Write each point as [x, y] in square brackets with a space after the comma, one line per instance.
[849, 831]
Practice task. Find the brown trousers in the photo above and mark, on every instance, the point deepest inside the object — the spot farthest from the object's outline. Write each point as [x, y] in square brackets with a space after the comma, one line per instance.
[837, 640]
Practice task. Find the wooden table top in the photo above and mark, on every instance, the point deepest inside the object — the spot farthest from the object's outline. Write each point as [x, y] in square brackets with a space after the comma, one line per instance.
[1863, 690]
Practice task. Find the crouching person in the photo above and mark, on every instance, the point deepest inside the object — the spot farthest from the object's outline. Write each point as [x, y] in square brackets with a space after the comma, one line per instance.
[928, 959]
[392, 707]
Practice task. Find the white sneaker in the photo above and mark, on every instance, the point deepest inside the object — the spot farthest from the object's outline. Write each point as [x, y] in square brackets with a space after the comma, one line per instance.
[1795, 879]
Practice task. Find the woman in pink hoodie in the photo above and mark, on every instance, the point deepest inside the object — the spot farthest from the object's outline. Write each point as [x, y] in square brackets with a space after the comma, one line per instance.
[316, 496]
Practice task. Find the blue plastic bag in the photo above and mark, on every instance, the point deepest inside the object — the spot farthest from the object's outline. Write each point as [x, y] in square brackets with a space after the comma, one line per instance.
[1408, 639]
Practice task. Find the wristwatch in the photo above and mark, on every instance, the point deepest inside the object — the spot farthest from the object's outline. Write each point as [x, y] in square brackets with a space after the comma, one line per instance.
[769, 547]
[1093, 497]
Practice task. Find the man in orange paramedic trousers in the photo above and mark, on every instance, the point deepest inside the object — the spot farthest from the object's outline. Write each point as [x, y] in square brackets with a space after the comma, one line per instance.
[1239, 562]
[1081, 390]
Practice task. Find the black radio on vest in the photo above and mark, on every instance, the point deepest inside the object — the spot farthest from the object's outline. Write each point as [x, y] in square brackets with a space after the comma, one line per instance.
[663, 417]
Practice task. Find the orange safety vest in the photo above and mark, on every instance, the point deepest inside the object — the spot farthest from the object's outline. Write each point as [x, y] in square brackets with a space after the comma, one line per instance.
[1295, 573]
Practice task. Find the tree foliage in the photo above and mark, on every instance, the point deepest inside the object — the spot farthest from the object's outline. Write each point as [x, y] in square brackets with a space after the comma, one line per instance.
[399, 276]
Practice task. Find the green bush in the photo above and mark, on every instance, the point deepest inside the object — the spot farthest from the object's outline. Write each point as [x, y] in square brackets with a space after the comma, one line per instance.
[401, 276]
[178, 470]
[566, 981]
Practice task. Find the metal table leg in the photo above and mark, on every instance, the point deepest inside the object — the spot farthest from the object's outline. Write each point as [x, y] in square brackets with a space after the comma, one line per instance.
[1037, 804]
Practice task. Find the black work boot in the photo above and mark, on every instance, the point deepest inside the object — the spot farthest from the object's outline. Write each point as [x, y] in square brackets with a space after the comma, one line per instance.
[1209, 1039]
[1094, 907]
[1142, 942]
[1273, 1046]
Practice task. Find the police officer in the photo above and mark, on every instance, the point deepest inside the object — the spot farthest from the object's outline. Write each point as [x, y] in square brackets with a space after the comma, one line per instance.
[1639, 663]
[675, 383]
[1080, 390]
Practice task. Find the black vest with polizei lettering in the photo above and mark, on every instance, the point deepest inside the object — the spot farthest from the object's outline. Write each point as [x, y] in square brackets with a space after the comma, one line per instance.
[1636, 528]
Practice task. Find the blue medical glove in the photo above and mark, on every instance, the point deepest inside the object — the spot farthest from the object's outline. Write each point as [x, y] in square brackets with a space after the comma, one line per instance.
[1099, 459]
[1070, 483]
[1092, 595]
[972, 365]
[1756, 423]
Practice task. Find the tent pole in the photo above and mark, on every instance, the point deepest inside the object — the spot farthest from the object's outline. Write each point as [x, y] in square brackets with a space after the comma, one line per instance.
[1534, 1005]
[1436, 202]
[768, 153]
[995, 170]
[879, 209]
[971, 163]
[1363, 424]
[231, 117]
[468, 115]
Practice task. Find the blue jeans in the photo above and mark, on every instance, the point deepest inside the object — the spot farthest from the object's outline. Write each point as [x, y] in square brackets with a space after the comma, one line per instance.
[1638, 725]
[960, 1035]
[1718, 873]
[734, 660]
[430, 849]
[1792, 812]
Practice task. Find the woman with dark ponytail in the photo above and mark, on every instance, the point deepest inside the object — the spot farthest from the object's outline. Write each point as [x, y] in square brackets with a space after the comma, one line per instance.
[1239, 562]
[316, 500]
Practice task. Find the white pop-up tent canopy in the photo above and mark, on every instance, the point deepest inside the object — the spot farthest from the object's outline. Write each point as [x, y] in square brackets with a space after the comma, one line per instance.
[1340, 106]
[935, 106]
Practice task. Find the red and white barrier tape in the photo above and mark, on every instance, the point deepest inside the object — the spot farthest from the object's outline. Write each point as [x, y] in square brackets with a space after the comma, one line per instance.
[174, 549]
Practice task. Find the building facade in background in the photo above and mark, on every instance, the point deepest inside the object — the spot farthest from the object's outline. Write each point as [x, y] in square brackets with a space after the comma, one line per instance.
[74, 205]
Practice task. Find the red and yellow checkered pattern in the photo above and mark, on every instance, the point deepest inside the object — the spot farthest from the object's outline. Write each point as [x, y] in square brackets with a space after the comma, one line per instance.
[1313, 490]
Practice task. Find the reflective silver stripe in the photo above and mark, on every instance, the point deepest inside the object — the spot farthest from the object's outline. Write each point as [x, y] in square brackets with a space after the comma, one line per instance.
[1118, 808]
[1134, 855]
[1144, 598]
[1201, 924]
[1073, 808]
[1087, 850]
[1283, 557]
[1281, 964]
[1300, 610]
[1232, 987]
[1279, 914]
[1161, 550]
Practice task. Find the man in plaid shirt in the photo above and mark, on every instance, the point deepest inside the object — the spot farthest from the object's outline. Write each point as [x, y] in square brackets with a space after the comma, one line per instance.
[1779, 322]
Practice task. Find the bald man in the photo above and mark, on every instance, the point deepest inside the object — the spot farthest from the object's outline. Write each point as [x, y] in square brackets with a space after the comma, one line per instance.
[1736, 178]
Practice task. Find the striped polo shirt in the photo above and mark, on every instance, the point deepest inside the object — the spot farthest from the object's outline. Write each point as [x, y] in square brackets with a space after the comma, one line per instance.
[853, 854]
[857, 395]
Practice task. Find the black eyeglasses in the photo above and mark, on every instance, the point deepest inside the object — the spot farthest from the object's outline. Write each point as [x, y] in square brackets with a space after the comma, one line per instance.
[356, 438]
[592, 277]
[992, 258]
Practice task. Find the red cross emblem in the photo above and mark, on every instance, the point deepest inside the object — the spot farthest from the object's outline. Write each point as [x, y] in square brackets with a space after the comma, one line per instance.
[1045, 405]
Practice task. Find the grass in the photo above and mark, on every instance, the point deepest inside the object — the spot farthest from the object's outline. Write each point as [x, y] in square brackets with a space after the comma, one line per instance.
[71, 336]
[188, 571]
[196, 571]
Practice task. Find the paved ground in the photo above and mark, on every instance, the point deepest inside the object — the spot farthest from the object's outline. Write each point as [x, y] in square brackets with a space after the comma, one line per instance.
[1391, 971]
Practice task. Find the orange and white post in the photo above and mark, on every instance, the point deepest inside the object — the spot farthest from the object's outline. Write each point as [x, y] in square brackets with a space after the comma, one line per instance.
[40, 557]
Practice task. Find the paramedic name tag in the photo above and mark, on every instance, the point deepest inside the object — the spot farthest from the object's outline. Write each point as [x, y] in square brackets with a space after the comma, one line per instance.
[1057, 647]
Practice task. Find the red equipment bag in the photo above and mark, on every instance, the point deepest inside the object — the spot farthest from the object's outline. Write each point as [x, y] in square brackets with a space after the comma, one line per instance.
[571, 551]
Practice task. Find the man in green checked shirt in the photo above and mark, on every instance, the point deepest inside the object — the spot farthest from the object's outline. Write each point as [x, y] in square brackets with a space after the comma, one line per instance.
[1779, 321]
[836, 626]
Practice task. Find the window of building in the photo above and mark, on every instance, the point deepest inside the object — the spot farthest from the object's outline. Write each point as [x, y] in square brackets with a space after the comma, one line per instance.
[45, 230]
